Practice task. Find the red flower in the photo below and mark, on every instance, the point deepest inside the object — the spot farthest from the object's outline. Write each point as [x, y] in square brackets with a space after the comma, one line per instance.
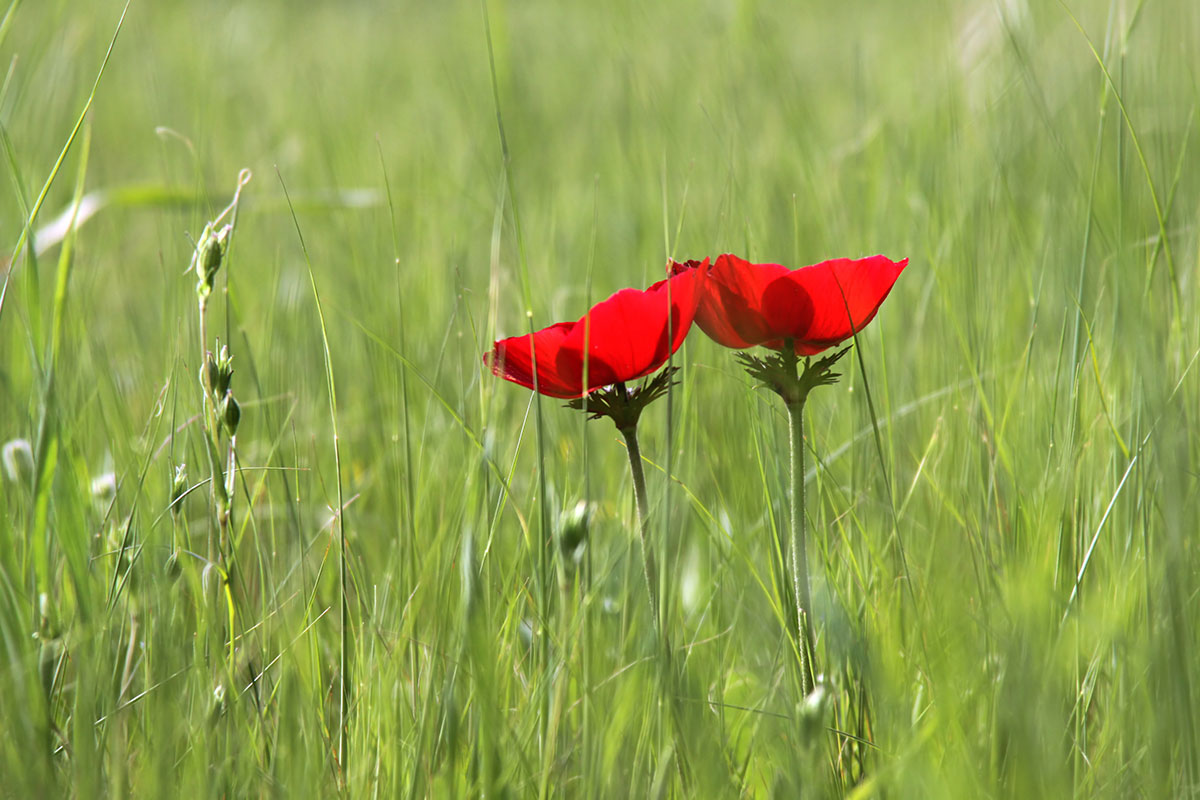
[627, 337]
[746, 304]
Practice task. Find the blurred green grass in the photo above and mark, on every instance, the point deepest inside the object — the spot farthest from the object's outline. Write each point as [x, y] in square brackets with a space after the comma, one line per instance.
[1033, 376]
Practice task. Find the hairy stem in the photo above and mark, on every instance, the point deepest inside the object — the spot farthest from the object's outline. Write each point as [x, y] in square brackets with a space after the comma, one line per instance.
[649, 563]
[670, 679]
[798, 545]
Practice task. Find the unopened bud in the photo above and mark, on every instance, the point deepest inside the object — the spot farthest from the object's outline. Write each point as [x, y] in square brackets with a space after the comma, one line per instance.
[813, 711]
[104, 488]
[231, 414]
[208, 372]
[573, 530]
[45, 611]
[218, 707]
[224, 375]
[178, 489]
[210, 251]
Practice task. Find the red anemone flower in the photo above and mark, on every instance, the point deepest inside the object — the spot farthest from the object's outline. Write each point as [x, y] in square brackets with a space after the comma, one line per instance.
[627, 337]
[746, 304]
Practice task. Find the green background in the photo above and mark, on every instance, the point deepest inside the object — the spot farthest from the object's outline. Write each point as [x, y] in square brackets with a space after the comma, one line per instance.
[1005, 565]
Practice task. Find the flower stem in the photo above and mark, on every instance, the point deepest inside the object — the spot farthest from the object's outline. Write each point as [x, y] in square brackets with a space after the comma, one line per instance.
[623, 407]
[669, 678]
[798, 545]
[212, 427]
[782, 374]
[649, 563]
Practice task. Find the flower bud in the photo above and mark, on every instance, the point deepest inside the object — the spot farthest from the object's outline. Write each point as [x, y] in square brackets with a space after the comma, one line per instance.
[210, 251]
[224, 373]
[217, 708]
[231, 414]
[208, 372]
[573, 530]
[178, 489]
[813, 711]
[45, 612]
[104, 488]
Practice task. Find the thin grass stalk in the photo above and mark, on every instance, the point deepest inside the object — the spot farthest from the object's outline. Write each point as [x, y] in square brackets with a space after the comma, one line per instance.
[546, 539]
[585, 584]
[339, 522]
[408, 515]
[544, 566]
[46, 454]
[26, 233]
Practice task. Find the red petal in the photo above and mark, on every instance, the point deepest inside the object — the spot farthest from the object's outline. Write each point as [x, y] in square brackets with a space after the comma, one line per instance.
[809, 305]
[512, 359]
[730, 309]
[627, 335]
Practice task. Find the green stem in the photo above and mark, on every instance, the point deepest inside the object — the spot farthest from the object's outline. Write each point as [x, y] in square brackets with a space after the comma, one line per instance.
[212, 426]
[798, 545]
[649, 563]
[670, 679]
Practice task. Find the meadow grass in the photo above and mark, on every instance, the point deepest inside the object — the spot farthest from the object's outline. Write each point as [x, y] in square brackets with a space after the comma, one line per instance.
[1002, 489]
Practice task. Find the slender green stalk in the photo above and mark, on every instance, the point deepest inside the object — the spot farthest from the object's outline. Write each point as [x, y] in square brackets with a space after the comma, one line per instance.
[649, 562]
[344, 665]
[30, 218]
[782, 374]
[212, 445]
[544, 563]
[544, 559]
[669, 678]
[798, 544]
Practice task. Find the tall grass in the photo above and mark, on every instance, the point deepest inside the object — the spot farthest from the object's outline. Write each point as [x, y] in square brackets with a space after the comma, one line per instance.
[1003, 551]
